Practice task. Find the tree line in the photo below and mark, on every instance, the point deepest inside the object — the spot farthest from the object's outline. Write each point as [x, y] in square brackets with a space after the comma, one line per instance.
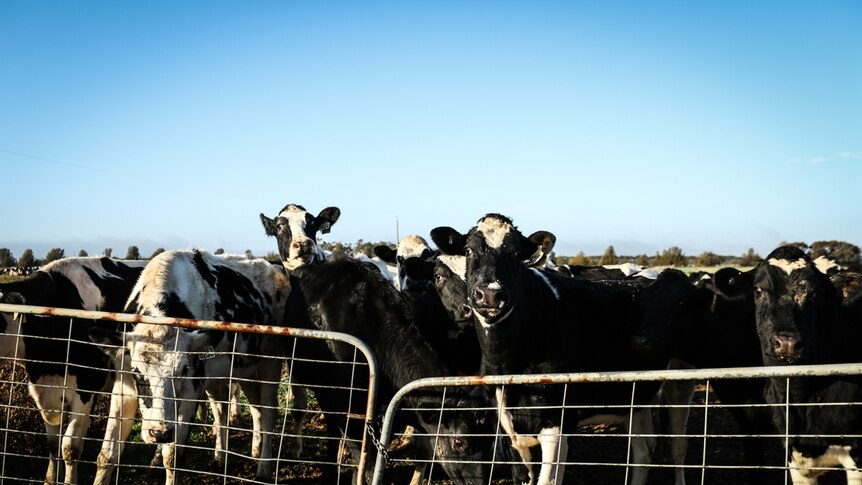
[841, 252]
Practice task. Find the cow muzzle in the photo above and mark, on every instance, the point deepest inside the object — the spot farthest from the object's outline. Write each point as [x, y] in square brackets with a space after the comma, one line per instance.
[787, 348]
[491, 303]
[159, 435]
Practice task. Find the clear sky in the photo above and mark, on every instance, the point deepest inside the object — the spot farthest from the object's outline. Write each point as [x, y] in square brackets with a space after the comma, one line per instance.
[705, 125]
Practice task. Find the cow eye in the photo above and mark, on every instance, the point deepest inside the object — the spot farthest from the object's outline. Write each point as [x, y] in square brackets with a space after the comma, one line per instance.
[758, 291]
[439, 279]
[468, 252]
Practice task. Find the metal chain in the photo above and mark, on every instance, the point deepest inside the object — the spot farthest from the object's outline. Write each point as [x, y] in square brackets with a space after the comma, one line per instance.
[381, 448]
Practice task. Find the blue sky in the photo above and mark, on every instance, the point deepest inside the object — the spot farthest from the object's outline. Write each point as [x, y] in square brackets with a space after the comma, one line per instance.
[706, 125]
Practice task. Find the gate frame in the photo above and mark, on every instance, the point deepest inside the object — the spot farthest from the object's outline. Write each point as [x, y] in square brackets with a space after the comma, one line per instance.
[191, 324]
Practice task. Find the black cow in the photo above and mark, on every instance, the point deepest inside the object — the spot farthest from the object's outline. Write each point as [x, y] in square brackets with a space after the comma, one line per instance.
[707, 327]
[529, 321]
[802, 318]
[343, 295]
[44, 343]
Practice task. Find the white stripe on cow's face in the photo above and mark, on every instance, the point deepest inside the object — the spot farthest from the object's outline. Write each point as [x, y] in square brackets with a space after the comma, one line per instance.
[788, 266]
[494, 231]
[297, 218]
[456, 264]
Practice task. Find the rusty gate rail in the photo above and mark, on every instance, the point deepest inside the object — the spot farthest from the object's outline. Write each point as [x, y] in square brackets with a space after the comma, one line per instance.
[788, 371]
[191, 324]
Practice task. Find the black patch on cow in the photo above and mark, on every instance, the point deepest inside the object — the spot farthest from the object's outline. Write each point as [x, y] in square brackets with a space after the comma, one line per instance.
[203, 269]
[145, 393]
[173, 306]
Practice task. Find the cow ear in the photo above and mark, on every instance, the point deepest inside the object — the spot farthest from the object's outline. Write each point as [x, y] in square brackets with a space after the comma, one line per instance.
[733, 284]
[449, 240]
[327, 218]
[385, 253]
[537, 247]
[268, 225]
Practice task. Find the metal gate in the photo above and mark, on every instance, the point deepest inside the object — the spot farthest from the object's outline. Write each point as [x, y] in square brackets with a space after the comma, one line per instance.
[330, 427]
[600, 451]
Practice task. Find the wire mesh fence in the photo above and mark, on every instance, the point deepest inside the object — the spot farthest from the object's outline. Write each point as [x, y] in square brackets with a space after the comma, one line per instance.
[322, 407]
[693, 431]
[700, 425]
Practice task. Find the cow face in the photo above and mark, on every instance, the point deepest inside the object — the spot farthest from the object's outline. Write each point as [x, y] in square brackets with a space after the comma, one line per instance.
[451, 285]
[668, 303]
[167, 364]
[793, 302]
[496, 253]
[415, 281]
[296, 233]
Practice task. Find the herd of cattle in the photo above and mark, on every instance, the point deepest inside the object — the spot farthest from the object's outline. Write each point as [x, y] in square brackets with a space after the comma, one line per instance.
[485, 302]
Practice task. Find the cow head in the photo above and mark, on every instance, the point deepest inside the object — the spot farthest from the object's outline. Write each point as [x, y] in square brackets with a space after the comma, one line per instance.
[496, 253]
[793, 303]
[669, 304]
[11, 346]
[296, 232]
[167, 365]
[451, 285]
[415, 281]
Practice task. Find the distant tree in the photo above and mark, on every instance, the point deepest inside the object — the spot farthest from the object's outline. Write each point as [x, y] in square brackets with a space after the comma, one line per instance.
[157, 252]
[750, 258]
[272, 257]
[55, 254]
[841, 252]
[367, 248]
[108, 252]
[708, 258]
[671, 256]
[248, 254]
[336, 247]
[27, 259]
[217, 251]
[581, 259]
[642, 260]
[82, 254]
[609, 257]
[133, 252]
[6, 258]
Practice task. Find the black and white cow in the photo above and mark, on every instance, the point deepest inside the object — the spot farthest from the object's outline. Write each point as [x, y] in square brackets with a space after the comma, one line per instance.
[65, 388]
[707, 327]
[296, 232]
[174, 367]
[410, 247]
[529, 321]
[802, 318]
[343, 295]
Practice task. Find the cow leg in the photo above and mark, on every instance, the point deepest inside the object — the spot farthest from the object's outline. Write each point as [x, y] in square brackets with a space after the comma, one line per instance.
[263, 404]
[642, 446]
[554, 450]
[218, 395]
[300, 416]
[52, 436]
[73, 440]
[678, 393]
[124, 406]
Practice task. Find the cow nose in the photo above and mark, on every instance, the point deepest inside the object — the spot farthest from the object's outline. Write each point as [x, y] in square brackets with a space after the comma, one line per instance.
[161, 436]
[786, 345]
[643, 343]
[489, 297]
[302, 246]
